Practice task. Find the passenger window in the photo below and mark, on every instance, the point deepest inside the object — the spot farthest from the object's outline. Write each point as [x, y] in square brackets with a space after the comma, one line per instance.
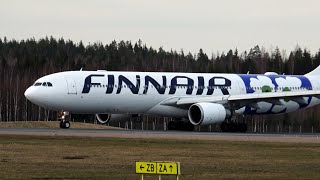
[49, 84]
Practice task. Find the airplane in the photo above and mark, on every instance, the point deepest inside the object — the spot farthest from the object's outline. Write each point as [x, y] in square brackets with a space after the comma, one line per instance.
[191, 98]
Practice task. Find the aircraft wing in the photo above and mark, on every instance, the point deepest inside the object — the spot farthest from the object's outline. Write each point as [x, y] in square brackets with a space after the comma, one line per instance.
[239, 101]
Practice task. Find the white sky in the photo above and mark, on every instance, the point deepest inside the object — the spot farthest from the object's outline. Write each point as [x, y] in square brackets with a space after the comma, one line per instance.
[214, 25]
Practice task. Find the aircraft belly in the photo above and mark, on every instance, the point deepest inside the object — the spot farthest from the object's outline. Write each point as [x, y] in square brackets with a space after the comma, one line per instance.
[122, 103]
[169, 111]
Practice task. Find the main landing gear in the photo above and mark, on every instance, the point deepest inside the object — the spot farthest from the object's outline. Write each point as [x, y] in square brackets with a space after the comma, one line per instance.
[64, 123]
[180, 125]
[234, 127]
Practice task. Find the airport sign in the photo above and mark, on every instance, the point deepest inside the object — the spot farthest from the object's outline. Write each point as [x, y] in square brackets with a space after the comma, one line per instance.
[168, 168]
[146, 168]
[158, 167]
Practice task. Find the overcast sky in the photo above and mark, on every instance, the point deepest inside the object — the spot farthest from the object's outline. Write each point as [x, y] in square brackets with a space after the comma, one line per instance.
[214, 25]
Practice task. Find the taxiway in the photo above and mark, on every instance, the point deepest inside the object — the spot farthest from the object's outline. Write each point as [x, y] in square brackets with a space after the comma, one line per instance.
[298, 138]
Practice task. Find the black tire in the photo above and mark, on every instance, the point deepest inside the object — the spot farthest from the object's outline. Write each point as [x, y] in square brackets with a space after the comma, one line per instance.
[180, 126]
[172, 125]
[233, 127]
[188, 126]
[66, 124]
[61, 124]
[224, 127]
[243, 127]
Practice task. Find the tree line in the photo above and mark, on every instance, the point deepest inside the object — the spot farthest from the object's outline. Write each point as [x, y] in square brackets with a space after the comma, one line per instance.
[24, 61]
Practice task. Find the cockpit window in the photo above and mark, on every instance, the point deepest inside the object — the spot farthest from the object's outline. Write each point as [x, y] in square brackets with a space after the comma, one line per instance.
[49, 84]
[37, 84]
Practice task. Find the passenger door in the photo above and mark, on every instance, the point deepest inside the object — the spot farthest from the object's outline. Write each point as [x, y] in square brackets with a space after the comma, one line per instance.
[71, 84]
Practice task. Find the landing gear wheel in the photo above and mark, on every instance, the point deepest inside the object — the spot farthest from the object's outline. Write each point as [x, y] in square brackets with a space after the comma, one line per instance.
[224, 127]
[234, 127]
[64, 124]
[61, 124]
[63, 116]
[172, 125]
[180, 126]
[243, 127]
[67, 124]
[188, 127]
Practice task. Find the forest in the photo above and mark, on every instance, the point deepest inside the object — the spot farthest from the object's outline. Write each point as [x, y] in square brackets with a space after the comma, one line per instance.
[24, 61]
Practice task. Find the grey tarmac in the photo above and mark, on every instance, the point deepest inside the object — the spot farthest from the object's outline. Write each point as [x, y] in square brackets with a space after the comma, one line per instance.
[297, 138]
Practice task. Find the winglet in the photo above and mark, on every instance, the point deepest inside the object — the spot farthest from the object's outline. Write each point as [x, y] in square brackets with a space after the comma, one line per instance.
[315, 71]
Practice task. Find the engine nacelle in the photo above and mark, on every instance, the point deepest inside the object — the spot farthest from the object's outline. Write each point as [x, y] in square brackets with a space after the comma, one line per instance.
[207, 113]
[112, 118]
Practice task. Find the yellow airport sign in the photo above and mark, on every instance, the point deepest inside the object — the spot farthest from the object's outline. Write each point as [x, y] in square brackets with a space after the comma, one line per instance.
[146, 167]
[172, 168]
[158, 167]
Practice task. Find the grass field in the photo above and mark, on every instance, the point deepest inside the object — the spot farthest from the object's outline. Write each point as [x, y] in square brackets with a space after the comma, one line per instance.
[26, 157]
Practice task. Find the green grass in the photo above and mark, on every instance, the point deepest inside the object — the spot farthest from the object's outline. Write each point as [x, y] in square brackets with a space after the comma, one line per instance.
[26, 157]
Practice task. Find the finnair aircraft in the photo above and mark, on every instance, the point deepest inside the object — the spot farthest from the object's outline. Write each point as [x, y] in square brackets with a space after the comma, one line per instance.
[191, 98]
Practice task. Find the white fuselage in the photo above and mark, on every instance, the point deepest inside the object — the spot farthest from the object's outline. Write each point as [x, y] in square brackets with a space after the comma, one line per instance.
[150, 92]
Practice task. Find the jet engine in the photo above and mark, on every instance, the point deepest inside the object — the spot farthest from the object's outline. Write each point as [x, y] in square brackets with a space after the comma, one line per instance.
[112, 118]
[207, 113]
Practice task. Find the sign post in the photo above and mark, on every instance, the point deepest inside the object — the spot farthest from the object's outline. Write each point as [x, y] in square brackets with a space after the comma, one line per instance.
[158, 168]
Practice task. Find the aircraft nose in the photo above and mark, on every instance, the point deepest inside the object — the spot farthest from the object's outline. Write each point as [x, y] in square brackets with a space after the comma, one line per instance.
[29, 93]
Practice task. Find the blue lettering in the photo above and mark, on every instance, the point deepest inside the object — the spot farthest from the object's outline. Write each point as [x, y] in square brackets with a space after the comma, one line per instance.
[174, 85]
[220, 82]
[88, 83]
[200, 85]
[213, 84]
[110, 84]
[159, 88]
[134, 88]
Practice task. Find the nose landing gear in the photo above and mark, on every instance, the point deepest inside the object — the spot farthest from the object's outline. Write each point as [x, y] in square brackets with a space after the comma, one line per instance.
[63, 117]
